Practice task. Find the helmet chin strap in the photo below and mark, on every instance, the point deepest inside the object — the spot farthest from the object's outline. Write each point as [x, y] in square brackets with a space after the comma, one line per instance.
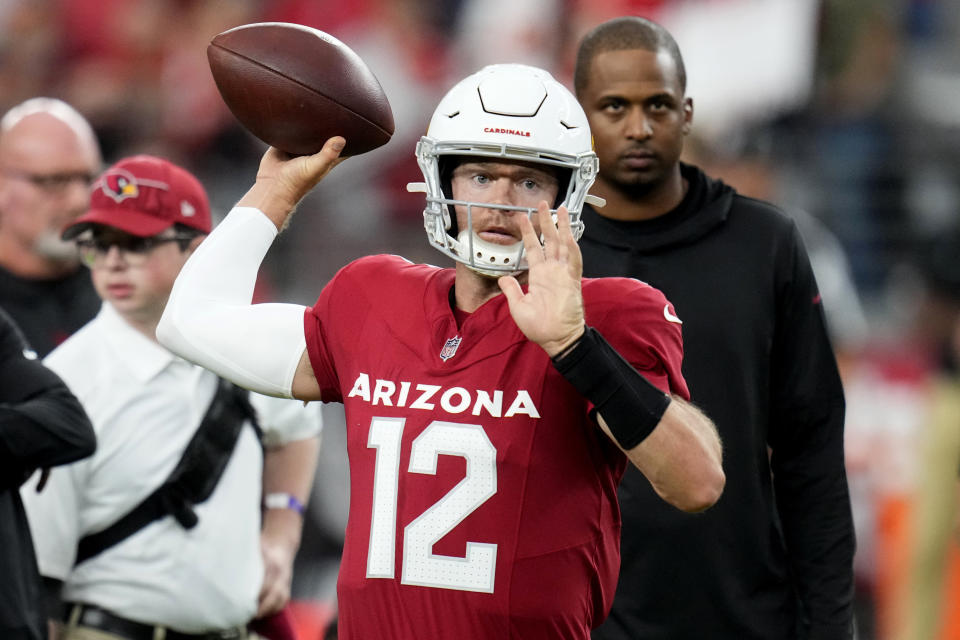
[505, 259]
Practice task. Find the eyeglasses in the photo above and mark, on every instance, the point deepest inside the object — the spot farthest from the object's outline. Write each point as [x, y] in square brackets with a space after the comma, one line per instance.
[134, 249]
[52, 183]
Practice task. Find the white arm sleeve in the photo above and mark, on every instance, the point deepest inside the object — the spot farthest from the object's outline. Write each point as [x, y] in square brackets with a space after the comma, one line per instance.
[210, 319]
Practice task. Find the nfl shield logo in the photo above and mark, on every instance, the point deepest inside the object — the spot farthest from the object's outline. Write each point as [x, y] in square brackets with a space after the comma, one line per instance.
[450, 348]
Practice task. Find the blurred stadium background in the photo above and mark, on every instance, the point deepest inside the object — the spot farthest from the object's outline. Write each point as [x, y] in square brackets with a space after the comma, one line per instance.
[845, 112]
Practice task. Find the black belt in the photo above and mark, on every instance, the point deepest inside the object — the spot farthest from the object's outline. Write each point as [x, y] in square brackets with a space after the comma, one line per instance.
[85, 615]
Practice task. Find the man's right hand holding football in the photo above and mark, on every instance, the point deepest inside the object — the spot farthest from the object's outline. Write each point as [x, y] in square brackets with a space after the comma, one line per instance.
[283, 180]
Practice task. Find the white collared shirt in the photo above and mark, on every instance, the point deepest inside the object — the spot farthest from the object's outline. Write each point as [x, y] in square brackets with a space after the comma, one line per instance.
[145, 404]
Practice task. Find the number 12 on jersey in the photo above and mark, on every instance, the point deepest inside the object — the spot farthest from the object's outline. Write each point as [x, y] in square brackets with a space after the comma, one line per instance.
[475, 571]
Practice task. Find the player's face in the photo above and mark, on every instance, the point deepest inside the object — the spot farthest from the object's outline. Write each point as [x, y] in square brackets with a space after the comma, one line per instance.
[45, 174]
[134, 274]
[638, 116]
[517, 184]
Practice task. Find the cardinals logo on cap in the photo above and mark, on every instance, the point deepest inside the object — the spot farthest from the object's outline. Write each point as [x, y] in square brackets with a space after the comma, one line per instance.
[120, 185]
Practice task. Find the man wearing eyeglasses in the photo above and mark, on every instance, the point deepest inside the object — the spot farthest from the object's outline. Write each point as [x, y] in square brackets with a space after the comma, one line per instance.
[194, 563]
[48, 158]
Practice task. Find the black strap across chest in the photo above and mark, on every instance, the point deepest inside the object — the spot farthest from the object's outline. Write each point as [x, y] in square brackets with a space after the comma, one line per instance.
[194, 478]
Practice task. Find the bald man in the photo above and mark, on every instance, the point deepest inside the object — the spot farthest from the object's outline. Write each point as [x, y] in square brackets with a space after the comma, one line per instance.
[48, 158]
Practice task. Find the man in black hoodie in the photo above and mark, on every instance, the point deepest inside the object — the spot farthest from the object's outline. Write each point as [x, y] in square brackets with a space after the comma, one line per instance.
[773, 559]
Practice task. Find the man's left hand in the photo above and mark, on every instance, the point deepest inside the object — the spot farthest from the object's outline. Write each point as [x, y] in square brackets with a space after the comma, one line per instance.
[277, 574]
[550, 313]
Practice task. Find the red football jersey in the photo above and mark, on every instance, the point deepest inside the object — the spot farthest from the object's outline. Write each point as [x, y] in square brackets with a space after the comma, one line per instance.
[482, 494]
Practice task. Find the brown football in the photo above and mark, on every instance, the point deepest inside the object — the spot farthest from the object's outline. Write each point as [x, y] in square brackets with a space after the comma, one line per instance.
[294, 87]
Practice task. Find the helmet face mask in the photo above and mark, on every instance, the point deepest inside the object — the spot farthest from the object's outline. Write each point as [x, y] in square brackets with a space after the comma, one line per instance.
[511, 113]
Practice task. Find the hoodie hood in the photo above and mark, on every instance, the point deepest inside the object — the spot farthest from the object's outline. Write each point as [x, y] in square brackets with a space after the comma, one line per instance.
[705, 207]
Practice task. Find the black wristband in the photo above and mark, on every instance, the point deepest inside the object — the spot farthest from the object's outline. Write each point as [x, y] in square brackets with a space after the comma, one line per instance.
[630, 405]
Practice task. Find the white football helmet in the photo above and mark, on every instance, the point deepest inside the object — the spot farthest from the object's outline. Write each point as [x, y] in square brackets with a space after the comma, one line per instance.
[508, 111]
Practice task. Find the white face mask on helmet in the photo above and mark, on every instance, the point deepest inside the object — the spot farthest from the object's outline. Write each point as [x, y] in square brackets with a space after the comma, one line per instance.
[503, 112]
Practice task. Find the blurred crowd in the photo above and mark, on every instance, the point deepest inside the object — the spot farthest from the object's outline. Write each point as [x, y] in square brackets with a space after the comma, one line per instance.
[842, 111]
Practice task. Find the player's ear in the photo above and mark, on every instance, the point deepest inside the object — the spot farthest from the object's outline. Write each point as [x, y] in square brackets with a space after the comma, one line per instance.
[687, 116]
[5, 194]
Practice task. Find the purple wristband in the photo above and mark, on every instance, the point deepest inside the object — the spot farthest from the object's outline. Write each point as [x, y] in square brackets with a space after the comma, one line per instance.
[282, 501]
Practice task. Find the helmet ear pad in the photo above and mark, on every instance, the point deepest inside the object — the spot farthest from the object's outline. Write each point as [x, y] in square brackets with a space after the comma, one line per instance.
[446, 165]
[563, 185]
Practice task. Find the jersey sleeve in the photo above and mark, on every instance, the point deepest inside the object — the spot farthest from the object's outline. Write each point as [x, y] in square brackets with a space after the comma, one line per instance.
[641, 324]
[318, 323]
[335, 323]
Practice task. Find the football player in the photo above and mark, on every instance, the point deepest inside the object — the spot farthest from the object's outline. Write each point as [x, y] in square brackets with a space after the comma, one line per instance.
[491, 408]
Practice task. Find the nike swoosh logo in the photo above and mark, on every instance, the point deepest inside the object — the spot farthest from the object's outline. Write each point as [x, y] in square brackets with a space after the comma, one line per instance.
[669, 316]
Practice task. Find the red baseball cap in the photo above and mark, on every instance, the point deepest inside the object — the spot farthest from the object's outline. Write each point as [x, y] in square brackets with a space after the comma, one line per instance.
[143, 195]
